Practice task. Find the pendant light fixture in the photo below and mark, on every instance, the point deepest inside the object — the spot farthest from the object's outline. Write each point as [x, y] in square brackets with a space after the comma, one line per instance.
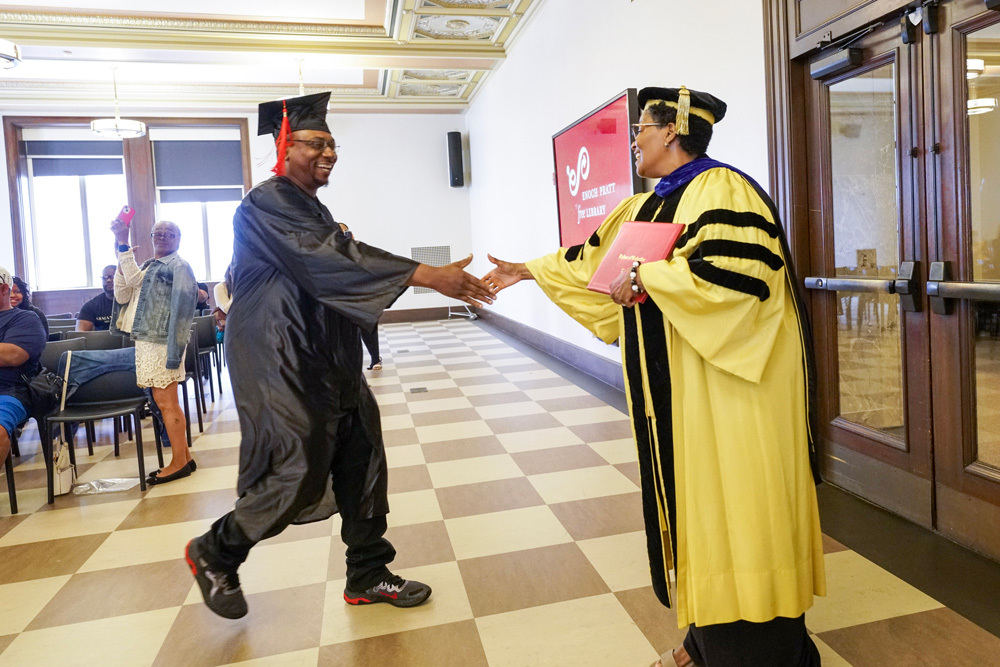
[117, 127]
[10, 54]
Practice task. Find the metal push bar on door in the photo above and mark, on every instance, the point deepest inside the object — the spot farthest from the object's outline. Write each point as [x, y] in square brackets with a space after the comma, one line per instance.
[940, 289]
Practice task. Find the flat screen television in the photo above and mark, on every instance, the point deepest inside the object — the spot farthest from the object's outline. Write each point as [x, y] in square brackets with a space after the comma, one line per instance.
[594, 167]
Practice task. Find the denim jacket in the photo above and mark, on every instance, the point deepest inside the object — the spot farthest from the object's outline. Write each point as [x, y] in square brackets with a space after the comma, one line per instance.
[165, 310]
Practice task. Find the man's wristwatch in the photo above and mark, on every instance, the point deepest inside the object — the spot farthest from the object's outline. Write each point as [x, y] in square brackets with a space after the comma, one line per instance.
[123, 247]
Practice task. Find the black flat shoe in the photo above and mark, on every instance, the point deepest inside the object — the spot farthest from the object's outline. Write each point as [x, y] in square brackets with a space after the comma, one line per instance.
[183, 472]
[156, 473]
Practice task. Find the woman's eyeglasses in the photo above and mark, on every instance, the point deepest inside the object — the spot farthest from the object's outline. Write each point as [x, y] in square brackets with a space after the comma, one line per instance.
[319, 144]
[637, 128]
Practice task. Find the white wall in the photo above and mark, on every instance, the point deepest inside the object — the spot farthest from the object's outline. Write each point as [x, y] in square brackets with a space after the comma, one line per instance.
[573, 56]
[390, 185]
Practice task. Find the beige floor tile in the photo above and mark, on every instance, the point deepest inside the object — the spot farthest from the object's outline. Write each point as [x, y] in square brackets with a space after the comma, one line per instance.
[224, 416]
[122, 640]
[590, 631]
[70, 522]
[453, 431]
[413, 507]
[491, 388]
[439, 405]
[567, 391]
[204, 479]
[621, 560]
[501, 532]
[20, 602]
[473, 373]
[470, 471]
[273, 567]
[509, 410]
[560, 487]
[394, 422]
[145, 545]
[590, 416]
[616, 451]
[429, 385]
[510, 361]
[216, 441]
[448, 603]
[543, 374]
[404, 455]
[858, 591]
[28, 501]
[418, 370]
[455, 361]
[448, 645]
[545, 438]
[306, 658]
[829, 657]
[391, 398]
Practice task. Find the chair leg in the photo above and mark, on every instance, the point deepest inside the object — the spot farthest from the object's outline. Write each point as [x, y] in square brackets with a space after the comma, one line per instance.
[211, 380]
[218, 368]
[14, 449]
[68, 430]
[159, 444]
[138, 452]
[46, 434]
[9, 467]
[199, 402]
[187, 412]
[115, 420]
[128, 424]
[91, 437]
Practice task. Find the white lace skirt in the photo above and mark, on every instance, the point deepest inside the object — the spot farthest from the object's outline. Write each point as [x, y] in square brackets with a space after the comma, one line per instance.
[151, 365]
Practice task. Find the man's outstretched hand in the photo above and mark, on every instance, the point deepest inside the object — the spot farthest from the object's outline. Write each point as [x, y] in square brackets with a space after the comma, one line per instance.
[452, 280]
[505, 274]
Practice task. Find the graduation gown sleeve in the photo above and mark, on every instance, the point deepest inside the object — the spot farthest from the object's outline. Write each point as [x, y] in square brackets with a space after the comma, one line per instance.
[723, 288]
[297, 234]
[564, 275]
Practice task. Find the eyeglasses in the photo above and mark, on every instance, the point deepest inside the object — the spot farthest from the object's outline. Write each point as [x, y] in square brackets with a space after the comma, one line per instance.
[637, 128]
[163, 236]
[319, 144]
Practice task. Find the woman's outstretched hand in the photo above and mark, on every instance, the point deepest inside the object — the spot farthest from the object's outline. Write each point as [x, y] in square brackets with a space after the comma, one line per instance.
[505, 274]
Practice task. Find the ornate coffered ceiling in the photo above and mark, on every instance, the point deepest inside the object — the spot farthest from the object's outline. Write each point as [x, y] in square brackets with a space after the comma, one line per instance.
[375, 55]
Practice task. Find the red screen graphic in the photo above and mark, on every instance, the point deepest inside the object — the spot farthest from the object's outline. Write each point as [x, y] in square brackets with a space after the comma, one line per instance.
[594, 169]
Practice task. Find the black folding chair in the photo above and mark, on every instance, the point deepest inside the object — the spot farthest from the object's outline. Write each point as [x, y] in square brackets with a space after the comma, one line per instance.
[208, 347]
[192, 369]
[107, 396]
[97, 340]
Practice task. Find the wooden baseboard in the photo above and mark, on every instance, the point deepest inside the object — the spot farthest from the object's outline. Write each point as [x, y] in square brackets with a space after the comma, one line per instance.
[603, 369]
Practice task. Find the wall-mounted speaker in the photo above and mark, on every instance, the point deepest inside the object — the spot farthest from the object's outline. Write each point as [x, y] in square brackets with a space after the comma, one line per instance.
[456, 171]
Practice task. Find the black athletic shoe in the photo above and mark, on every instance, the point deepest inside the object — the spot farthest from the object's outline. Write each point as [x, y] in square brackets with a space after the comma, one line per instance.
[392, 589]
[221, 590]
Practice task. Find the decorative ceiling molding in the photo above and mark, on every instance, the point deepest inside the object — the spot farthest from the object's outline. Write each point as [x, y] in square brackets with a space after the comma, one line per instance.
[426, 54]
[195, 25]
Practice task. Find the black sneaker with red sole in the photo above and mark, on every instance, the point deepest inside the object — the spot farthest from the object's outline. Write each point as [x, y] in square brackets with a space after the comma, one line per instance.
[393, 589]
[220, 590]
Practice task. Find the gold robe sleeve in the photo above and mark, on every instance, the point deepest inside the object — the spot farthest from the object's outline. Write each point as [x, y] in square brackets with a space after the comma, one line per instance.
[723, 288]
[564, 275]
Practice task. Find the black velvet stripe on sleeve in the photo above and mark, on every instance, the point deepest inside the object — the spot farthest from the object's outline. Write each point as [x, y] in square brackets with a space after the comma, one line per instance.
[705, 270]
[723, 216]
[739, 249]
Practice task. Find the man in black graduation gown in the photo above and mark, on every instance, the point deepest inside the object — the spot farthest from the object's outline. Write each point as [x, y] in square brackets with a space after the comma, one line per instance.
[302, 290]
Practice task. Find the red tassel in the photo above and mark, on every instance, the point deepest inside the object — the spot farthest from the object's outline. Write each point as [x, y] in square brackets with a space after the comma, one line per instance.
[282, 142]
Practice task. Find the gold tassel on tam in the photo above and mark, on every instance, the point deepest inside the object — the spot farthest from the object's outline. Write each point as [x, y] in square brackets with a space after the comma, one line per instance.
[683, 110]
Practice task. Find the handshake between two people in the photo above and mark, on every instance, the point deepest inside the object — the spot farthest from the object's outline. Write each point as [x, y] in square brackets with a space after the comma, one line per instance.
[452, 280]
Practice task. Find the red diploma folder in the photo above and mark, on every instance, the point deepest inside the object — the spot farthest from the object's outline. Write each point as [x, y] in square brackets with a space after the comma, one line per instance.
[636, 241]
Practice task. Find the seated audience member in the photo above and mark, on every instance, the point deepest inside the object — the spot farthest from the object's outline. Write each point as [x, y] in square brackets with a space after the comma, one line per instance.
[202, 299]
[20, 297]
[223, 299]
[22, 339]
[95, 315]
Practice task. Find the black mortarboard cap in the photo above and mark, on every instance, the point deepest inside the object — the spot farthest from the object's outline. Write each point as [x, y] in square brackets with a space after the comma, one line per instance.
[304, 113]
[703, 105]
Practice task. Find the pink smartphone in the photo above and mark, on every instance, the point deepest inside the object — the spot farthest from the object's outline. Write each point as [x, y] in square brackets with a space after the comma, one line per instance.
[126, 214]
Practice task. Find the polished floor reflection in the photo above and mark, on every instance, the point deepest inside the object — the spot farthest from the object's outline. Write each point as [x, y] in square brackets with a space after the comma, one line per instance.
[514, 494]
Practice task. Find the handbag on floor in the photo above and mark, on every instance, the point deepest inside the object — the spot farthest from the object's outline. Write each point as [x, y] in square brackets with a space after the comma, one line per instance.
[64, 470]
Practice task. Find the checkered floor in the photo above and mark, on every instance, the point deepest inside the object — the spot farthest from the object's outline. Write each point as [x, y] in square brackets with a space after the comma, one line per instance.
[513, 493]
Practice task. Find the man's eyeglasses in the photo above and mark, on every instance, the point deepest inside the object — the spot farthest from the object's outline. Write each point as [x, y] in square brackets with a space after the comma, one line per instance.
[318, 144]
[163, 236]
[637, 128]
